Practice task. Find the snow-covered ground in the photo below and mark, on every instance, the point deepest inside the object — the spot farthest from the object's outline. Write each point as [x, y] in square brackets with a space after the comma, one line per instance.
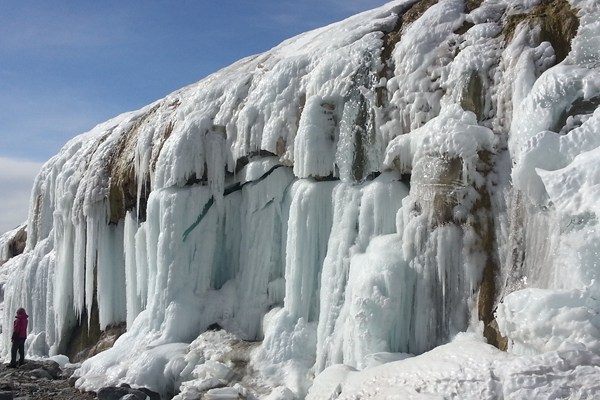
[467, 369]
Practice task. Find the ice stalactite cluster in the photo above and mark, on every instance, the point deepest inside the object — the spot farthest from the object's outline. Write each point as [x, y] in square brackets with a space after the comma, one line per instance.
[359, 194]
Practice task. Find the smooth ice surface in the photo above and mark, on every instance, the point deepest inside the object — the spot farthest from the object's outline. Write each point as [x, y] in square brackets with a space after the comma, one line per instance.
[317, 220]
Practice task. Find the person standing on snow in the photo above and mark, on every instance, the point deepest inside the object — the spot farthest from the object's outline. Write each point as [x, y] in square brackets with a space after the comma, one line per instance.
[18, 338]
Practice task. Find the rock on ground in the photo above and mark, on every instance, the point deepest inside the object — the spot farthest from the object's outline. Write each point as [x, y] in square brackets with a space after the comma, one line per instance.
[38, 380]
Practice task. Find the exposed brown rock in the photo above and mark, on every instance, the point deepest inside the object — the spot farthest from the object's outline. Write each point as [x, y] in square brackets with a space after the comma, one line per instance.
[123, 184]
[483, 224]
[390, 39]
[87, 340]
[471, 5]
[416, 11]
[464, 28]
[491, 332]
[16, 244]
[84, 336]
[558, 24]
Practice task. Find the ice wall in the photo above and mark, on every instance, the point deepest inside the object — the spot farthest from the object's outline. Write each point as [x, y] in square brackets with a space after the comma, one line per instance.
[554, 234]
[372, 187]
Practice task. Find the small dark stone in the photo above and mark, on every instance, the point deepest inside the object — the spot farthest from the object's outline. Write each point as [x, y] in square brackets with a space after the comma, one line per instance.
[214, 327]
[6, 384]
[71, 381]
[66, 373]
[51, 367]
[6, 396]
[37, 380]
[139, 395]
[111, 393]
[40, 373]
[150, 393]
[117, 393]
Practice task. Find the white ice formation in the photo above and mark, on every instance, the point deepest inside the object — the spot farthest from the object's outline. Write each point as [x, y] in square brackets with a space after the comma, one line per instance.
[362, 194]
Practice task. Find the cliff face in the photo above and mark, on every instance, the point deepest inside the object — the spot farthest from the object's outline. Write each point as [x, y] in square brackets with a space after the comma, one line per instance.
[371, 186]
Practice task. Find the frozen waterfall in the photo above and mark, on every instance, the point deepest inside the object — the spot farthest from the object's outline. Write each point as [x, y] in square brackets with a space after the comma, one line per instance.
[363, 193]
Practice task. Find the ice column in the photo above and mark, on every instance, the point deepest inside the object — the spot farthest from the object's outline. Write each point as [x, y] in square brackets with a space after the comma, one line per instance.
[309, 226]
[360, 214]
[290, 332]
[261, 257]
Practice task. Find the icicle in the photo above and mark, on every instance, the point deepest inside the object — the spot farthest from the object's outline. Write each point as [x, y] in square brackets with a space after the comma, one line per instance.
[133, 301]
[79, 260]
[91, 259]
[346, 200]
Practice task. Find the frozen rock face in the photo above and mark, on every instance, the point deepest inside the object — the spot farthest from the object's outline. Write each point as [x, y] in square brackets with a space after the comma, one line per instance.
[366, 188]
[12, 243]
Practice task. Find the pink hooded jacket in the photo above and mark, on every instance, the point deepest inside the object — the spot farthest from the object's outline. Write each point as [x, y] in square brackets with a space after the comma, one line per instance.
[20, 324]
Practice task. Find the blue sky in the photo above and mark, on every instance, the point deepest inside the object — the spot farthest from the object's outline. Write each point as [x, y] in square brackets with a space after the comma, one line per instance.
[66, 66]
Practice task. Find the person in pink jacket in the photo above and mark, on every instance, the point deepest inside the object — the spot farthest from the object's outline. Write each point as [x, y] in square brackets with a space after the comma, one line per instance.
[18, 338]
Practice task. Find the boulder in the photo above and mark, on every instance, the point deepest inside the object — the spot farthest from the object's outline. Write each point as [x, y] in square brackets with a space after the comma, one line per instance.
[121, 393]
[6, 395]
